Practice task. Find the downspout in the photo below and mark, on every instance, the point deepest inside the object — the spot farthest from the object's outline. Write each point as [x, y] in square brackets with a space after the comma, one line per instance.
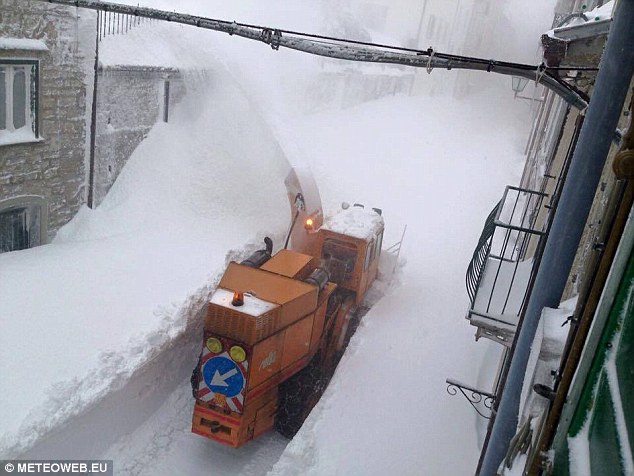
[93, 122]
[612, 83]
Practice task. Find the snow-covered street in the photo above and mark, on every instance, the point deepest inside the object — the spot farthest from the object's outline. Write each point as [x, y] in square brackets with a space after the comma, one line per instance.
[110, 327]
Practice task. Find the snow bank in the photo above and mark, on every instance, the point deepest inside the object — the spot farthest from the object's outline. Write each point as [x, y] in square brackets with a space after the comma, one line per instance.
[79, 316]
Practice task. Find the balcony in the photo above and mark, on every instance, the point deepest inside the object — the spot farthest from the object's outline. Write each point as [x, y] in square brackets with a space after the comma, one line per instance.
[499, 273]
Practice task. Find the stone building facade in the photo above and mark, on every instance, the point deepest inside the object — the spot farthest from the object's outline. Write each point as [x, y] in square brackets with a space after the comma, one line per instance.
[49, 166]
[42, 121]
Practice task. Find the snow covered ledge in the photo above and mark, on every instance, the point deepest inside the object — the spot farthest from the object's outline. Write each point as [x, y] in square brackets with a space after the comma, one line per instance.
[22, 44]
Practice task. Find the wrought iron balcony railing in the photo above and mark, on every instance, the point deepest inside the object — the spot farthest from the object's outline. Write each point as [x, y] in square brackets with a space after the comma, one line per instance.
[476, 265]
[499, 272]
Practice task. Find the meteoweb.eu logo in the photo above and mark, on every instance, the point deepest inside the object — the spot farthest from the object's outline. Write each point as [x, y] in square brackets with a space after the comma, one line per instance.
[59, 467]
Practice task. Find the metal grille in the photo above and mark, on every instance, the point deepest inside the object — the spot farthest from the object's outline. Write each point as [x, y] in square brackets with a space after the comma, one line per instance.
[112, 23]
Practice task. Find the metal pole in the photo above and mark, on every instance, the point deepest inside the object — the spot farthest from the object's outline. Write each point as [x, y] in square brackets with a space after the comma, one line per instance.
[612, 83]
[166, 101]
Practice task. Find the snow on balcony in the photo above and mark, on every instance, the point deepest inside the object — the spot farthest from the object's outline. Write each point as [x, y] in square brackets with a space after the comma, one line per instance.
[499, 274]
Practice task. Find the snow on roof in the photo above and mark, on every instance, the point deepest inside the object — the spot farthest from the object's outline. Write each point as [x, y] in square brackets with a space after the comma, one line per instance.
[355, 221]
[22, 44]
[603, 12]
[599, 14]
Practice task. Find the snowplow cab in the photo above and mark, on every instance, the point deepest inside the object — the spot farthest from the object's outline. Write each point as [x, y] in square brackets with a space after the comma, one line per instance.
[348, 246]
[347, 243]
[354, 229]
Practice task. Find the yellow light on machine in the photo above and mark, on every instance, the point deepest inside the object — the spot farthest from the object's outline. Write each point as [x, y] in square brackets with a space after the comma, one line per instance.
[237, 353]
[214, 345]
[309, 224]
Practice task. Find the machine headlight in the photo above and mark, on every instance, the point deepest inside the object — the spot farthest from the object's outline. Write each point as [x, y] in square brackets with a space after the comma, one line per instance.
[237, 353]
[214, 345]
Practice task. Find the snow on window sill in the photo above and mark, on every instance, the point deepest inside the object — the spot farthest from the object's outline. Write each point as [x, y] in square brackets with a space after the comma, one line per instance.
[16, 138]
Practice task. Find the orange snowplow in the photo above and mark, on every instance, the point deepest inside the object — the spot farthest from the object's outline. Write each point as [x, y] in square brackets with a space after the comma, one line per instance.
[277, 324]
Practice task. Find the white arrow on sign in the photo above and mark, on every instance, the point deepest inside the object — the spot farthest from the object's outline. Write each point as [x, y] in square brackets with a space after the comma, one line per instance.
[220, 380]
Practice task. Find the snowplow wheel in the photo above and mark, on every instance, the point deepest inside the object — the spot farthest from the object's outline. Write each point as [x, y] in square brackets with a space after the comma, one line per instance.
[297, 397]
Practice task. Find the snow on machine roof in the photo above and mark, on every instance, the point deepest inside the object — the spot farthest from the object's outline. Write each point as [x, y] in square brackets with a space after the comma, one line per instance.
[355, 221]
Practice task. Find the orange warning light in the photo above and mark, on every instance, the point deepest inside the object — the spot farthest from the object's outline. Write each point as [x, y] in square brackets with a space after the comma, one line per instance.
[238, 298]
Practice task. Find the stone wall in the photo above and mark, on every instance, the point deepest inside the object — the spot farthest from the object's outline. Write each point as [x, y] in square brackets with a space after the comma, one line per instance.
[130, 100]
[53, 167]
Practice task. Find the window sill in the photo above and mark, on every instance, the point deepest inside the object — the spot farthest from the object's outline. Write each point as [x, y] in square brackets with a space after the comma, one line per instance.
[8, 141]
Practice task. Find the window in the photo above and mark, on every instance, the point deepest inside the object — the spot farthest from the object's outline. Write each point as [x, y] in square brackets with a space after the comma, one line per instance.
[340, 258]
[14, 230]
[369, 255]
[22, 223]
[18, 100]
[379, 243]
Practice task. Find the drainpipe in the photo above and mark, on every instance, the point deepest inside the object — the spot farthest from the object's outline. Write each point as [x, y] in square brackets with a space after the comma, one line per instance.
[612, 83]
[93, 121]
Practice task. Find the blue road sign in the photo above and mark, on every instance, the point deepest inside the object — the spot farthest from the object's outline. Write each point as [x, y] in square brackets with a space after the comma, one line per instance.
[222, 375]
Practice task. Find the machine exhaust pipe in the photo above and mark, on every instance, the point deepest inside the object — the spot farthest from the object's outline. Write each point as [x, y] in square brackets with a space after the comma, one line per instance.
[319, 277]
[259, 257]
